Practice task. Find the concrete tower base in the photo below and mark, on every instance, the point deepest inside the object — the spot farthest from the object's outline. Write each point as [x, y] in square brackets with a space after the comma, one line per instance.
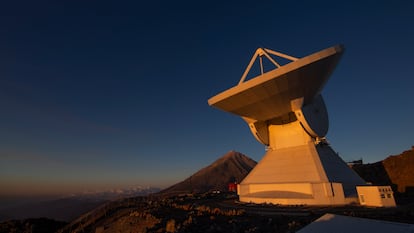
[295, 171]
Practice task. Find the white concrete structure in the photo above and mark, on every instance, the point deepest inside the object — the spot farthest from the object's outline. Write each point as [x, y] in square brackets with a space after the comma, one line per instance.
[296, 171]
[376, 196]
[329, 223]
[285, 112]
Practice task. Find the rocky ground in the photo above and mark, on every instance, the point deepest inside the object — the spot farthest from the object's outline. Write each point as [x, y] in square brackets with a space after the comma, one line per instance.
[203, 213]
[31, 226]
[210, 212]
[217, 213]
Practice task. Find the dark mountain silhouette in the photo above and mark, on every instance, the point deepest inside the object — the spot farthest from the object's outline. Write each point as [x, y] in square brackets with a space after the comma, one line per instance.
[395, 170]
[65, 209]
[232, 167]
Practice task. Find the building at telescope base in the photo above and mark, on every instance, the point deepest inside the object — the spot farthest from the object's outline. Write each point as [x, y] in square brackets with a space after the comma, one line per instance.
[286, 112]
[296, 171]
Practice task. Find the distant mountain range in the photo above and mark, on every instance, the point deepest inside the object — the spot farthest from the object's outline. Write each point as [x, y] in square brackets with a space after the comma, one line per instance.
[230, 168]
[116, 193]
[69, 207]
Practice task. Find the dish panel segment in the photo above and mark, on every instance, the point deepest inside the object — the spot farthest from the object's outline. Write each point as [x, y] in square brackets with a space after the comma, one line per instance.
[269, 95]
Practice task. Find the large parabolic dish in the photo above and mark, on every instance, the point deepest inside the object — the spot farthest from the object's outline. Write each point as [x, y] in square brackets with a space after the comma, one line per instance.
[269, 95]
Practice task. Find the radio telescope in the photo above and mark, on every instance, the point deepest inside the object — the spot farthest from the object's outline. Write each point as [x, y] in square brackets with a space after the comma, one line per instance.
[286, 112]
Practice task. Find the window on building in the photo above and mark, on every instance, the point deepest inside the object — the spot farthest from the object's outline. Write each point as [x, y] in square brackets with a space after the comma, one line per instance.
[389, 195]
[362, 199]
[382, 195]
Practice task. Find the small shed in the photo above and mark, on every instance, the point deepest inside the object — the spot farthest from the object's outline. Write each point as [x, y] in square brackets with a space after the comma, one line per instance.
[376, 196]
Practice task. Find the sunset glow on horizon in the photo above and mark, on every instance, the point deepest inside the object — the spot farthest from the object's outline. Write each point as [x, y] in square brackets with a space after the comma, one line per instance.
[101, 96]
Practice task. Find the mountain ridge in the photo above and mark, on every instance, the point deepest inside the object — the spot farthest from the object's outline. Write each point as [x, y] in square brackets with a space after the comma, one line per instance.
[67, 208]
[394, 170]
[231, 167]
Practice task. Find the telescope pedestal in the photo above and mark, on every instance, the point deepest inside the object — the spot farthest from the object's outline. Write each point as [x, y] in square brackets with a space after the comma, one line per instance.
[295, 171]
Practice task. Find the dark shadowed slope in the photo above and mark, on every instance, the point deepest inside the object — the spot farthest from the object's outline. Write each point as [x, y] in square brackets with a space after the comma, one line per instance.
[400, 169]
[232, 167]
[39, 225]
[395, 170]
[65, 209]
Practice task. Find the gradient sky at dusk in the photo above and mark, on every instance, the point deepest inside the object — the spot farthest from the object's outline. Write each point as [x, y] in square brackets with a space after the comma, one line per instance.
[95, 95]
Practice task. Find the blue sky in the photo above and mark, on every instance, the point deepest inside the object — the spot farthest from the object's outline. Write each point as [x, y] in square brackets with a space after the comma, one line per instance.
[95, 94]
